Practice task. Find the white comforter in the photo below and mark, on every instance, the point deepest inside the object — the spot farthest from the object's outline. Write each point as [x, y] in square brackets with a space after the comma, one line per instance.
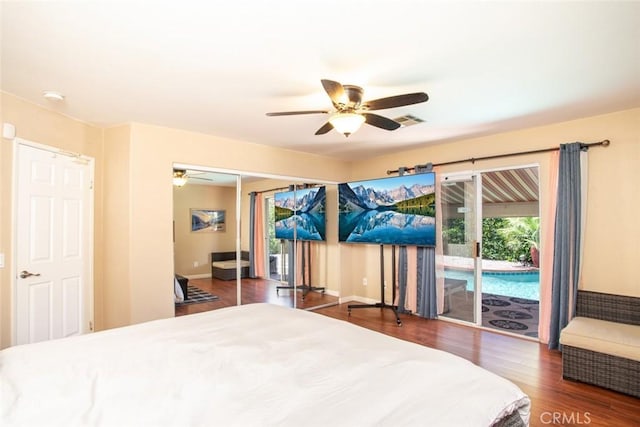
[250, 365]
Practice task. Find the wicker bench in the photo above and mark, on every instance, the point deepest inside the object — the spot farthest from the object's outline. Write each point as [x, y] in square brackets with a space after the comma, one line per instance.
[601, 345]
[224, 265]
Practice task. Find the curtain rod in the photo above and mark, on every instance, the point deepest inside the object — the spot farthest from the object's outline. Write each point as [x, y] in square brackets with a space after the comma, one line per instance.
[298, 187]
[270, 190]
[604, 143]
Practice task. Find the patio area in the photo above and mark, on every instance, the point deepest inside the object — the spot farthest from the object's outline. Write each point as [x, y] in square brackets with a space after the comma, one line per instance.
[507, 314]
[514, 311]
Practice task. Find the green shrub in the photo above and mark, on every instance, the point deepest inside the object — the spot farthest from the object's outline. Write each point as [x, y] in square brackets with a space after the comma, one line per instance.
[502, 238]
[494, 246]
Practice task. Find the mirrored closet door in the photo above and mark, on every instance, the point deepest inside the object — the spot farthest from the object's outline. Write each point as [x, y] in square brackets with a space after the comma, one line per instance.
[204, 244]
[240, 239]
[291, 228]
[300, 216]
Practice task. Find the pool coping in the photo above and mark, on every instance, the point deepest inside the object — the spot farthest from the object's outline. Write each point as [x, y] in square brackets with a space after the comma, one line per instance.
[525, 270]
[488, 266]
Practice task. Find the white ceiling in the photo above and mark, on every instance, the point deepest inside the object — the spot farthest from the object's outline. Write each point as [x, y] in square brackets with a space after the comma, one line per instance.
[217, 67]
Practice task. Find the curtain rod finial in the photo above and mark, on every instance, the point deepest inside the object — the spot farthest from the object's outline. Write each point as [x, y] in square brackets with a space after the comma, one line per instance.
[606, 143]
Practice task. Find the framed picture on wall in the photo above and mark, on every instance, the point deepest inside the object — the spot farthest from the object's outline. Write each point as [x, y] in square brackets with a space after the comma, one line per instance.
[207, 220]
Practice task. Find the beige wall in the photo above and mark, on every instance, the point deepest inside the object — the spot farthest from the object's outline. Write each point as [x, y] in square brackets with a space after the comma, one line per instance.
[612, 235]
[117, 227]
[46, 127]
[190, 247]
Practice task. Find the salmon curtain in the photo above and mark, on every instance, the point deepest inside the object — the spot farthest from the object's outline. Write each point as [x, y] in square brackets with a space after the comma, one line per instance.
[546, 252]
[256, 235]
[401, 280]
[412, 279]
[301, 263]
[407, 279]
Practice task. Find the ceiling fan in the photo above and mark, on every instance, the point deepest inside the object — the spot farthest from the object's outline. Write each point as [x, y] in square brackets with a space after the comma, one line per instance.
[350, 111]
[181, 176]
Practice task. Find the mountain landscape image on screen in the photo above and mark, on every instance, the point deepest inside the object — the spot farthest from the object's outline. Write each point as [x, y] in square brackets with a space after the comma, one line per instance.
[395, 211]
[303, 211]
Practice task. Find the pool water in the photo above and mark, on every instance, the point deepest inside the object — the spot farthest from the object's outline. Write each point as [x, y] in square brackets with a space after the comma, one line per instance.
[512, 284]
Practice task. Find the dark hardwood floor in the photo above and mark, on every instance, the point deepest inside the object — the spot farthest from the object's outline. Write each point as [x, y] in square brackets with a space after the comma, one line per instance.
[530, 365]
[253, 290]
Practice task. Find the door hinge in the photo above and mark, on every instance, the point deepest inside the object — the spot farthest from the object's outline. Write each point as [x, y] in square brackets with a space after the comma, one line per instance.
[91, 185]
[91, 326]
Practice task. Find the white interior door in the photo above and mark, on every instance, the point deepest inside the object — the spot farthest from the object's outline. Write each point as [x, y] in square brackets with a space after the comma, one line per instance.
[54, 219]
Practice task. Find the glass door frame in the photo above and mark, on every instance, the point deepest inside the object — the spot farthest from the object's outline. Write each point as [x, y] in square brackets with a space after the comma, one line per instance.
[477, 251]
[475, 240]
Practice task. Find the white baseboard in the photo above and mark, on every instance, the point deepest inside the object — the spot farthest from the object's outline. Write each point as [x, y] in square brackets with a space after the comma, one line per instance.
[332, 293]
[358, 299]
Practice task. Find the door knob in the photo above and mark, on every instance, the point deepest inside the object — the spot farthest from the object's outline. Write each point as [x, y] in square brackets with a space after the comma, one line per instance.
[24, 274]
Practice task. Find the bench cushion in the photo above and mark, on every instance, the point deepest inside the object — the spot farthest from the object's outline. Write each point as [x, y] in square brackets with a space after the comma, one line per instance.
[617, 339]
[226, 265]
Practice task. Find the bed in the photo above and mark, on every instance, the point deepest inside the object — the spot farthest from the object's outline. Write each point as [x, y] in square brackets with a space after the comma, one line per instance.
[250, 365]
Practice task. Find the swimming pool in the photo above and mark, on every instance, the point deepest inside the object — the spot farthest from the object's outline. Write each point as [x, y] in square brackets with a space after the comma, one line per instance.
[512, 284]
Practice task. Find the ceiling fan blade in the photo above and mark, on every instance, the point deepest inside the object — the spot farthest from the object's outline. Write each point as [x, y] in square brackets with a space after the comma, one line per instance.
[324, 129]
[335, 91]
[380, 122]
[397, 101]
[295, 113]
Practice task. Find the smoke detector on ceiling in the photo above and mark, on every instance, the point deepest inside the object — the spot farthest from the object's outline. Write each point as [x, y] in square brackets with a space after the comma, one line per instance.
[53, 95]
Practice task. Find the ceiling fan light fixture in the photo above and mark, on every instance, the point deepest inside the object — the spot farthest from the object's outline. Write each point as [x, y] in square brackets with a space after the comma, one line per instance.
[179, 178]
[346, 123]
[350, 112]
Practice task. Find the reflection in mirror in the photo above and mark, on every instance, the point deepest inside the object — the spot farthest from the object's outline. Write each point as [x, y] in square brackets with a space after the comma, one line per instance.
[204, 241]
[267, 255]
[300, 221]
[307, 218]
[233, 245]
[293, 243]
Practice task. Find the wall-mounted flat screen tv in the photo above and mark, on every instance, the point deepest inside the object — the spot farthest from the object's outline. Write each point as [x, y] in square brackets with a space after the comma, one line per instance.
[388, 211]
[301, 210]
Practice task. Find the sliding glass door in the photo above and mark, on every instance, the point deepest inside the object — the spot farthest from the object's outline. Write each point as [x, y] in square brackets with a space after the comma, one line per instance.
[461, 234]
[490, 232]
